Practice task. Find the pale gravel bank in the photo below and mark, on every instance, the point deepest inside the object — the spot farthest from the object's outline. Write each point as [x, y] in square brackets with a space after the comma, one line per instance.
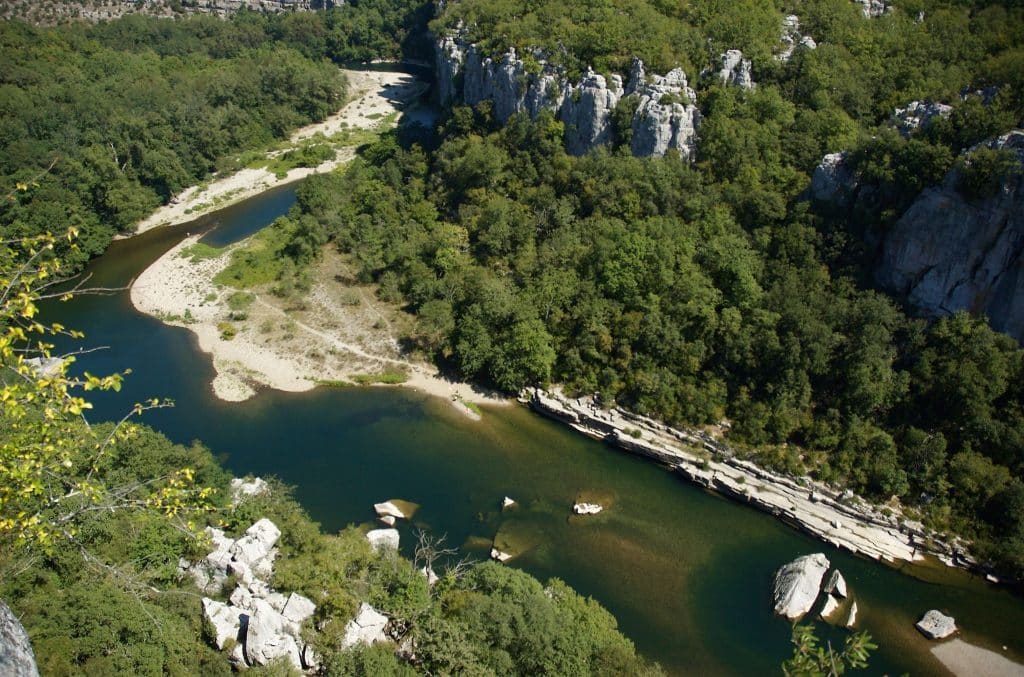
[179, 291]
[968, 660]
[372, 97]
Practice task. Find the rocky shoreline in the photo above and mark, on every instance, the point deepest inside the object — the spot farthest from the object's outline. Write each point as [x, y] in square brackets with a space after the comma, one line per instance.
[833, 516]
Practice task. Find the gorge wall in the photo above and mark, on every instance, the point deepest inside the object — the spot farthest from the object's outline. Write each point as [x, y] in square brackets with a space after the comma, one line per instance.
[949, 253]
[664, 115]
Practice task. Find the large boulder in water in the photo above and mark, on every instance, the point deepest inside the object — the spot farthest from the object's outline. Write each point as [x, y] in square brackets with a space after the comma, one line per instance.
[936, 625]
[797, 585]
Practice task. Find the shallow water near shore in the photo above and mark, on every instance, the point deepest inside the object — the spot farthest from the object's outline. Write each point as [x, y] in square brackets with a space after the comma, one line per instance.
[687, 573]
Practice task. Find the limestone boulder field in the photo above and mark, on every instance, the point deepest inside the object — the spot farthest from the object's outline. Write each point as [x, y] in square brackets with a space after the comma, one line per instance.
[797, 585]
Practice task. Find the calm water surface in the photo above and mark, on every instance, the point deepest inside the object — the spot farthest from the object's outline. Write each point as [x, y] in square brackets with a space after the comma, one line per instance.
[688, 574]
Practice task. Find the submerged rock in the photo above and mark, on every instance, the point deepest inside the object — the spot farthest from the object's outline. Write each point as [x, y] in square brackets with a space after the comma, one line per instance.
[936, 625]
[797, 584]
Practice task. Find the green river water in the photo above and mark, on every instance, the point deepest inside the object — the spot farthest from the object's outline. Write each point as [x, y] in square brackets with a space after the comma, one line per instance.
[687, 573]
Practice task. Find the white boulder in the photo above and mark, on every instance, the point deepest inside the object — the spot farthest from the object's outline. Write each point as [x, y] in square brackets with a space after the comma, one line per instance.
[389, 520]
[388, 509]
[797, 584]
[241, 488]
[298, 608]
[586, 508]
[507, 503]
[830, 606]
[851, 619]
[269, 636]
[936, 625]
[499, 555]
[383, 539]
[836, 584]
[226, 621]
[366, 628]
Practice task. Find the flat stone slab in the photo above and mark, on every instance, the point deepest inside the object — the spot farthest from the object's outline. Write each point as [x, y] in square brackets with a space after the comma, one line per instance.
[936, 625]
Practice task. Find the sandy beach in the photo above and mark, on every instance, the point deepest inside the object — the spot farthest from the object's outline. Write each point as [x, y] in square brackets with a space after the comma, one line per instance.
[968, 660]
[331, 340]
[372, 97]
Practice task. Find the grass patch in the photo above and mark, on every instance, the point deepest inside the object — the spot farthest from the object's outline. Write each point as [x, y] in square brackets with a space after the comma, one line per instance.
[201, 252]
[333, 383]
[385, 377]
[258, 261]
[472, 406]
[227, 331]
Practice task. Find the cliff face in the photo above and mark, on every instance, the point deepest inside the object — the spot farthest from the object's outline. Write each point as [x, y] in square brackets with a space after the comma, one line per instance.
[104, 10]
[665, 116]
[948, 253]
[16, 656]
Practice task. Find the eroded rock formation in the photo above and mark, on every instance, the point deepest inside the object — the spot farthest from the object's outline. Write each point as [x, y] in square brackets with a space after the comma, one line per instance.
[949, 253]
[664, 118]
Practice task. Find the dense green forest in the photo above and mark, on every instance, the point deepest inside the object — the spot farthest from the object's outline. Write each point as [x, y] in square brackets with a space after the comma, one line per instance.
[131, 112]
[697, 293]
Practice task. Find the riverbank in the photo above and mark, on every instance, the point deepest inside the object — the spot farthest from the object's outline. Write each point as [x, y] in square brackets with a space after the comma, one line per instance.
[373, 99]
[336, 335]
[836, 517]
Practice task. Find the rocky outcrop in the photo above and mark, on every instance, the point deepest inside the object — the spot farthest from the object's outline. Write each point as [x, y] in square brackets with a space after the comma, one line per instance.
[948, 253]
[835, 516]
[249, 557]
[797, 584]
[587, 112]
[733, 69]
[366, 628]
[383, 540]
[16, 656]
[833, 182]
[664, 118]
[105, 10]
[936, 625]
[793, 38]
[918, 115]
[872, 9]
[258, 624]
[242, 489]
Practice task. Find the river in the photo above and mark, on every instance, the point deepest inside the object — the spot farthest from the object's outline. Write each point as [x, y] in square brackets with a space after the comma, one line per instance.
[687, 573]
